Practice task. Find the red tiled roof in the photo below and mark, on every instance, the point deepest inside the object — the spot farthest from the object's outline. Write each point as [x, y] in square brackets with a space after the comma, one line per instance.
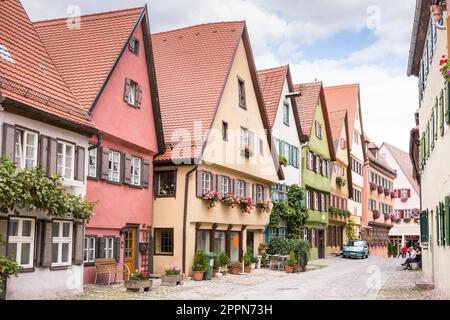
[337, 119]
[379, 160]
[272, 81]
[405, 164]
[32, 79]
[344, 97]
[192, 66]
[101, 36]
[307, 103]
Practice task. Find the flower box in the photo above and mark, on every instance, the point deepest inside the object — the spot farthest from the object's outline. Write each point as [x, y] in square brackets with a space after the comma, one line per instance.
[380, 189]
[373, 186]
[171, 280]
[392, 194]
[387, 192]
[340, 181]
[212, 197]
[138, 285]
[376, 215]
[386, 216]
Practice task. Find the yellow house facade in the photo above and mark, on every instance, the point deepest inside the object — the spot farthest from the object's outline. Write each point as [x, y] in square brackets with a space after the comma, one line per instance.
[233, 157]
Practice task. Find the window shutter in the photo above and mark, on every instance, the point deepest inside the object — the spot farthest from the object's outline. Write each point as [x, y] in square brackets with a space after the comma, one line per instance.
[265, 193]
[251, 141]
[199, 175]
[101, 247]
[126, 92]
[105, 163]
[46, 254]
[409, 193]
[139, 96]
[447, 219]
[145, 173]
[438, 230]
[8, 141]
[3, 231]
[43, 152]
[117, 249]
[254, 193]
[219, 184]
[78, 243]
[132, 44]
[52, 157]
[80, 163]
[214, 182]
[127, 169]
[447, 102]
[247, 189]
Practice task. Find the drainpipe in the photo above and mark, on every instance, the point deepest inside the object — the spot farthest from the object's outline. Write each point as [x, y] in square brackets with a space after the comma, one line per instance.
[186, 193]
[99, 142]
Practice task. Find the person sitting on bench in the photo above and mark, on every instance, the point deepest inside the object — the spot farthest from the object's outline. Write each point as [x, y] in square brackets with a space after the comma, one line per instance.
[415, 257]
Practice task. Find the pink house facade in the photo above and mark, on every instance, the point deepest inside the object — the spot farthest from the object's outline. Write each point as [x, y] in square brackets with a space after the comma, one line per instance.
[123, 104]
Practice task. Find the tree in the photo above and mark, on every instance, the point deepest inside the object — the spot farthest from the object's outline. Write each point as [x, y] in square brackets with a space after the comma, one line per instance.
[351, 230]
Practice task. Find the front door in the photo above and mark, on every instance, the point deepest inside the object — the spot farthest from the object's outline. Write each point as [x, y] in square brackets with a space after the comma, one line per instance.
[321, 244]
[130, 251]
[250, 242]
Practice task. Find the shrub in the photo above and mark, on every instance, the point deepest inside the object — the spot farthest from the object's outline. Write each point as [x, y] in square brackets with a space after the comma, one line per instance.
[201, 261]
[292, 261]
[247, 260]
[221, 260]
[8, 268]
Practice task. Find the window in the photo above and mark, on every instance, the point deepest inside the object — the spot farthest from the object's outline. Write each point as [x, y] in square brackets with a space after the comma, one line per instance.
[203, 240]
[109, 247]
[318, 130]
[272, 233]
[313, 237]
[132, 93]
[135, 171]
[356, 137]
[325, 168]
[65, 159]
[286, 114]
[308, 199]
[404, 193]
[316, 200]
[62, 243]
[92, 170]
[241, 188]
[318, 164]
[26, 149]
[357, 167]
[114, 166]
[89, 249]
[372, 205]
[305, 234]
[310, 160]
[259, 193]
[206, 182]
[165, 183]
[21, 241]
[322, 202]
[164, 242]
[295, 157]
[356, 195]
[242, 102]
[219, 241]
[261, 147]
[282, 233]
[5, 54]
[225, 131]
[244, 138]
[225, 186]
[134, 45]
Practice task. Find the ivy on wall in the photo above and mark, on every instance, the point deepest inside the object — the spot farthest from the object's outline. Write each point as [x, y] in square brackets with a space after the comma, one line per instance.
[31, 189]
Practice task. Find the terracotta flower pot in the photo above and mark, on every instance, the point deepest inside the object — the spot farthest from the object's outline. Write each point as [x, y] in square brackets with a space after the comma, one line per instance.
[290, 269]
[247, 269]
[234, 270]
[214, 273]
[198, 275]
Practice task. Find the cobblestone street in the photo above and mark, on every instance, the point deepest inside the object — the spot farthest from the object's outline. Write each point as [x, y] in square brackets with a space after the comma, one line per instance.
[332, 278]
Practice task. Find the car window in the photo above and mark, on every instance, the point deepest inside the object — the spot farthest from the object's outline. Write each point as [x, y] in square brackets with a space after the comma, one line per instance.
[353, 243]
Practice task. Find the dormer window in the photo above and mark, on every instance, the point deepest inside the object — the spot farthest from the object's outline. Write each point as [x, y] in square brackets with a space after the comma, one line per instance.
[132, 93]
[133, 46]
[286, 114]
[318, 130]
[241, 87]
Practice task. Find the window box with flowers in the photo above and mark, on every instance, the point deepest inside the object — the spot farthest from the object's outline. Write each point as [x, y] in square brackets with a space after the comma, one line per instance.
[230, 200]
[393, 217]
[444, 68]
[246, 204]
[247, 152]
[380, 189]
[373, 186]
[387, 192]
[264, 206]
[139, 281]
[212, 197]
[340, 181]
[407, 219]
[376, 214]
[386, 216]
[283, 161]
[392, 194]
[172, 276]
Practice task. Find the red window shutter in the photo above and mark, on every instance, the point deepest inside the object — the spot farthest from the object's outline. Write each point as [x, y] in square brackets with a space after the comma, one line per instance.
[139, 96]
[126, 92]
[79, 164]
[409, 193]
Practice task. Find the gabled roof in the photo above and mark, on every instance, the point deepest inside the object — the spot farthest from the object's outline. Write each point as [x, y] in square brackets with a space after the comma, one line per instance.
[379, 162]
[404, 162]
[85, 56]
[272, 83]
[307, 103]
[30, 81]
[337, 121]
[311, 94]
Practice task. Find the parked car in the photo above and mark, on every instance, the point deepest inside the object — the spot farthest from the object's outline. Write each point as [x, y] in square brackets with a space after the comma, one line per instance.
[356, 249]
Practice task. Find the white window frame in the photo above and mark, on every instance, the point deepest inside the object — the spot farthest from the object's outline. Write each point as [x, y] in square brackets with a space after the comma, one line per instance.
[62, 169]
[19, 240]
[60, 240]
[259, 193]
[245, 138]
[22, 146]
[318, 168]
[308, 199]
[241, 188]
[93, 154]
[305, 234]
[313, 237]
[132, 93]
[206, 182]
[135, 178]
[225, 185]
[111, 170]
[311, 160]
[286, 114]
[89, 250]
[404, 193]
[316, 200]
[109, 247]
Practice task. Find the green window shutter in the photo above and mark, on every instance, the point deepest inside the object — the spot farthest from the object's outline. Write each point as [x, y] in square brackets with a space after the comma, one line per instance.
[441, 112]
[447, 220]
[428, 139]
[421, 153]
[423, 226]
[447, 102]
[432, 130]
[438, 235]
[435, 120]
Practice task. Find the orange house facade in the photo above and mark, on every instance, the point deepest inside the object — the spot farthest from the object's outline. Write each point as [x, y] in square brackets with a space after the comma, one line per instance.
[377, 203]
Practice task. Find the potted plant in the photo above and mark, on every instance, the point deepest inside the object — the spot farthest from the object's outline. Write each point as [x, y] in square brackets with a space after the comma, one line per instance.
[200, 265]
[291, 262]
[172, 276]
[283, 160]
[264, 206]
[376, 214]
[139, 281]
[247, 263]
[380, 189]
[248, 152]
[246, 204]
[340, 181]
[407, 219]
[392, 194]
[393, 217]
[229, 200]
[221, 261]
[8, 268]
[212, 197]
[302, 254]
[235, 267]
[386, 216]
[373, 186]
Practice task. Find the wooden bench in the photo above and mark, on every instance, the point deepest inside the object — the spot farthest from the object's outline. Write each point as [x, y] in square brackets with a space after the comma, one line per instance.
[108, 266]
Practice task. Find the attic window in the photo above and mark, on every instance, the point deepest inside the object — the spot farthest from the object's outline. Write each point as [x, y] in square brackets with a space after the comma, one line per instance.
[4, 54]
[134, 45]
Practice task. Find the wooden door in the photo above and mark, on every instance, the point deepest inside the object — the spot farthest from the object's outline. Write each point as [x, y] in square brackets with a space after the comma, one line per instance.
[129, 251]
[321, 246]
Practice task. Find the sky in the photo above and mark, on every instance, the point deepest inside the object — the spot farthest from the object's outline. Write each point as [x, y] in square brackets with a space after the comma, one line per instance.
[337, 42]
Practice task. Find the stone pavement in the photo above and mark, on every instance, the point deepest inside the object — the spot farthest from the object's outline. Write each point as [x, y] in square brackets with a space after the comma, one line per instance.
[331, 278]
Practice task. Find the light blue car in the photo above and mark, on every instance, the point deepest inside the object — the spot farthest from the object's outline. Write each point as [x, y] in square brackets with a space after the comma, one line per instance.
[356, 249]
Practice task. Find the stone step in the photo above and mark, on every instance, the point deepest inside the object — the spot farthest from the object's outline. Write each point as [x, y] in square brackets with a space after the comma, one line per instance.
[424, 285]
